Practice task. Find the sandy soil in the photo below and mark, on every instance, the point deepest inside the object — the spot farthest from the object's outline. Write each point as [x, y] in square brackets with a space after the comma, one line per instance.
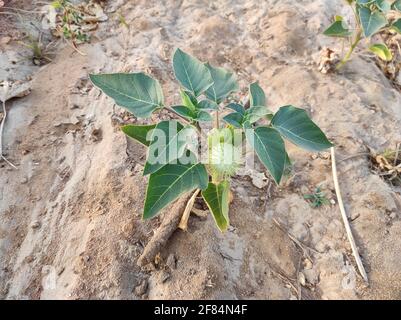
[70, 216]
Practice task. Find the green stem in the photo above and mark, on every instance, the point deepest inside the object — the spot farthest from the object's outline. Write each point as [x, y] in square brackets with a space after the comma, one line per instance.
[350, 51]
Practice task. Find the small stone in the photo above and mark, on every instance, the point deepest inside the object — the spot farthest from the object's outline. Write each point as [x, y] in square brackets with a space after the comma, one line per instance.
[307, 264]
[301, 278]
[332, 201]
[141, 289]
[313, 156]
[24, 180]
[35, 225]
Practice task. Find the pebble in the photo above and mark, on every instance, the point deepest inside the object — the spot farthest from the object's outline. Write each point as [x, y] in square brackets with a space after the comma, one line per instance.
[301, 278]
[307, 264]
[35, 225]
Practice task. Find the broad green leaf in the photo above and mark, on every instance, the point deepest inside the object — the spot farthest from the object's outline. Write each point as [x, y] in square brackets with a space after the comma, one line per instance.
[191, 73]
[381, 51]
[383, 5]
[338, 29]
[236, 107]
[195, 115]
[136, 92]
[224, 83]
[207, 105]
[203, 116]
[294, 124]
[364, 2]
[171, 181]
[371, 22]
[138, 133]
[257, 95]
[184, 111]
[217, 199]
[270, 148]
[235, 119]
[167, 145]
[396, 5]
[396, 26]
[253, 114]
[188, 100]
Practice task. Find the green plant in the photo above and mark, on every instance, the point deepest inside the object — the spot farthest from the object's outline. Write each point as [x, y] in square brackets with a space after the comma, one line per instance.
[317, 198]
[370, 18]
[71, 19]
[173, 164]
[40, 53]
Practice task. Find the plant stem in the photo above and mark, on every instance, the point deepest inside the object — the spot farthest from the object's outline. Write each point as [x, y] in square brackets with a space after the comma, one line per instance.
[350, 51]
[216, 120]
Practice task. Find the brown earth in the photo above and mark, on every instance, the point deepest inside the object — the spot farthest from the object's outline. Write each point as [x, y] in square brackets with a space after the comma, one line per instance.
[70, 215]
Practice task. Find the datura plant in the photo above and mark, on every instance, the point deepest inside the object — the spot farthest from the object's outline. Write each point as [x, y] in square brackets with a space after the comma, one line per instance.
[371, 17]
[173, 163]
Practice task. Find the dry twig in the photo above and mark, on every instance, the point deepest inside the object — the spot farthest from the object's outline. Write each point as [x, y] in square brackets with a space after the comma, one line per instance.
[345, 220]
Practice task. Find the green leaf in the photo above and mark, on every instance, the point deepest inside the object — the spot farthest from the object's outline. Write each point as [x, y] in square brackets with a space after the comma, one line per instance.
[235, 119]
[257, 95]
[194, 115]
[171, 181]
[168, 144]
[184, 111]
[364, 2]
[207, 105]
[338, 29]
[253, 114]
[188, 100]
[371, 22]
[381, 51]
[138, 133]
[383, 5]
[217, 199]
[396, 5]
[136, 92]
[203, 116]
[224, 83]
[294, 124]
[236, 107]
[270, 148]
[396, 26]
[191, 73]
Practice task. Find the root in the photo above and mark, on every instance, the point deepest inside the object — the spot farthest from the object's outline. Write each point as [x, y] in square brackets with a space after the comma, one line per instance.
[163, 233]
